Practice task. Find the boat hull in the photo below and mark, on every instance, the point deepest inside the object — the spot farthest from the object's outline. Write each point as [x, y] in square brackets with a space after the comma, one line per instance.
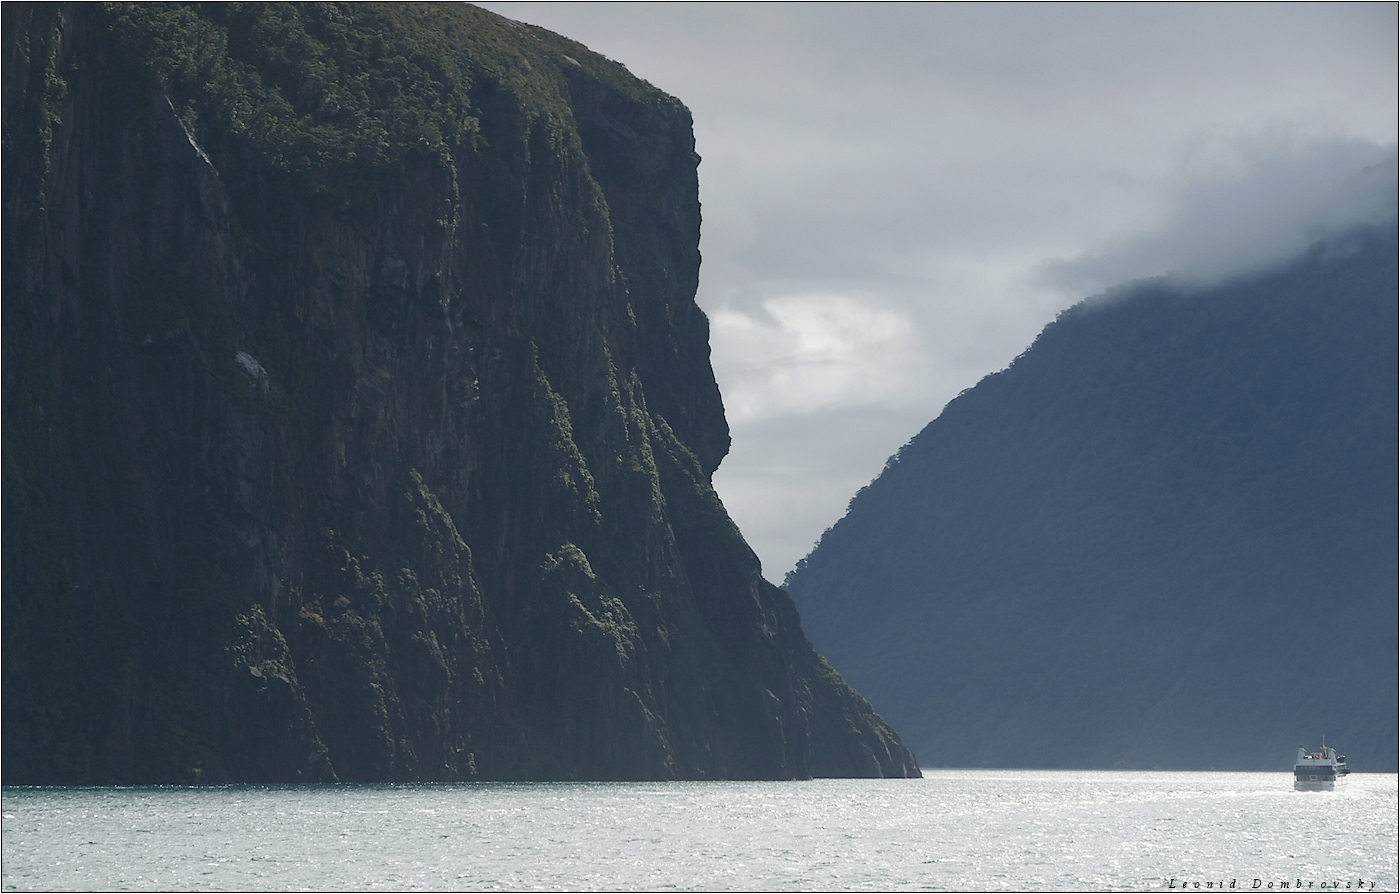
[1315, 785]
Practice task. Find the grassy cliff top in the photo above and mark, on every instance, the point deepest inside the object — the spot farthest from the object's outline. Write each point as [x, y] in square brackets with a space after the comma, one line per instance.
[337, 89]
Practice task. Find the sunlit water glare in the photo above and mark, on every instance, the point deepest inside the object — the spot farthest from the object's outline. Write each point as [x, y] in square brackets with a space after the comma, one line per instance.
[954, 830]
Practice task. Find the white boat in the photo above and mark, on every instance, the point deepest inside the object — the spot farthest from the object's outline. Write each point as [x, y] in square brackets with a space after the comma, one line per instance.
[1319, 770]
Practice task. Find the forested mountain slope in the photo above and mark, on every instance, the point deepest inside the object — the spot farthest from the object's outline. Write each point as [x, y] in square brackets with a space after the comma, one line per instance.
[358, 416]
[1165, 536]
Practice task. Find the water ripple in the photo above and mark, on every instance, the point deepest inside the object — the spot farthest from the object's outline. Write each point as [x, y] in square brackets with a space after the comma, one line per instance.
[954, 830]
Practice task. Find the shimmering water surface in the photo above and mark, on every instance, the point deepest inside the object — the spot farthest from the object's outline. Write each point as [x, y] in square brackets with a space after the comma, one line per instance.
[954, 830]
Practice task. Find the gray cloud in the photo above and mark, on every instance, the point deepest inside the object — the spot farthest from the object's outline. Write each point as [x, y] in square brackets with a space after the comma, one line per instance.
[898, 197]
[1287, 198]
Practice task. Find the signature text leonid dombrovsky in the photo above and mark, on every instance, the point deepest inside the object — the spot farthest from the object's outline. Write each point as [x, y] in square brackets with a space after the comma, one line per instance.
[1259, 884]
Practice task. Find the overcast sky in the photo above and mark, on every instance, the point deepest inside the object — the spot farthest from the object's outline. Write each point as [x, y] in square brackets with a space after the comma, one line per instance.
[897, 198]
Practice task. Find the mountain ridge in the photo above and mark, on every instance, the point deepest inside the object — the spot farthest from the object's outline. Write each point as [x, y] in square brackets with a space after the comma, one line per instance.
[1105, 555]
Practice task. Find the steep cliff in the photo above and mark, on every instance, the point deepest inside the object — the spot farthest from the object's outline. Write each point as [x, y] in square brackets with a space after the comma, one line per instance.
[358, 416]
[1163, 537]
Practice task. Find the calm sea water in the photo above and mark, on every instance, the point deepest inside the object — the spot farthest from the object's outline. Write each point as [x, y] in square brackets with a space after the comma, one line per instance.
[954, 830]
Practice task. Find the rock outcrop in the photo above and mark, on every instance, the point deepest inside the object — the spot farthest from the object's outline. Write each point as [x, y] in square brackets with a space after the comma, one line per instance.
[358, 416]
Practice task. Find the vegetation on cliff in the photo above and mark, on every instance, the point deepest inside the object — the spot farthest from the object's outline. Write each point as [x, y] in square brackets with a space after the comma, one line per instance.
[359, 421]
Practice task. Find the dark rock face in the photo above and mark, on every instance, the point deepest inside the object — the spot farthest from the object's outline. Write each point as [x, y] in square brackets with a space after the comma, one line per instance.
[359, 420]
[1165, 536]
